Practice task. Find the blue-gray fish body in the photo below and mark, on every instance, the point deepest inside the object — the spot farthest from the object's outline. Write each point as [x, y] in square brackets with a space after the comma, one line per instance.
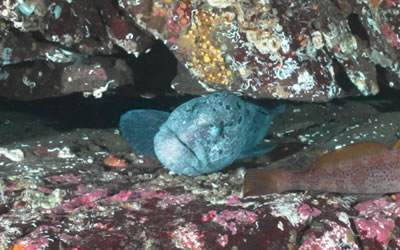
[203, 135]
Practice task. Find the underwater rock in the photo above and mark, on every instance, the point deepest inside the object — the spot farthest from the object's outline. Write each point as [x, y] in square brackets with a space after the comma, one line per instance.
[296, 50]
[50, 49]
[50, 201]
[377, 25]
[90, 27]
[378, 222]
[36, 80]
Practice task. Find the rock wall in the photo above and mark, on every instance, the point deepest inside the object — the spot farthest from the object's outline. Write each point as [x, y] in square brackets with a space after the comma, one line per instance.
[295, 50]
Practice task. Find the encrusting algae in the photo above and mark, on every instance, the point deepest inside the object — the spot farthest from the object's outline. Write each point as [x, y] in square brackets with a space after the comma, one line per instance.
[361, 168]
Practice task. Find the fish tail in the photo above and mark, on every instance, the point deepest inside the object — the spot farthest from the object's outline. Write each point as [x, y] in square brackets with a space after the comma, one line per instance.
[266, 181]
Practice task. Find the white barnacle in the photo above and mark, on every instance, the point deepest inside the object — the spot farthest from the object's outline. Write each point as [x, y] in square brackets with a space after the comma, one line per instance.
[129, 36]
[174, 47]
[55, 38]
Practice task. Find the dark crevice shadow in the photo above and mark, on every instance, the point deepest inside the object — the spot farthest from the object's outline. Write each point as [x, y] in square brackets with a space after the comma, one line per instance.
[357, 28]
[75, 111]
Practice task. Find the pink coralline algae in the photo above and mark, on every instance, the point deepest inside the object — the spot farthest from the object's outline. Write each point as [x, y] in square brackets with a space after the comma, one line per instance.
[32, 244]
[66, 178]
[231, 219]
[35, 241]
[234, 200]
[88, 199]
[164, 197]
[223, 240]
[377, 219]
[146, 207]
[306, 211]
[188, 237]
[376, 227]
[121, 196]
[390, 35]
[334, 239]
[381, 206]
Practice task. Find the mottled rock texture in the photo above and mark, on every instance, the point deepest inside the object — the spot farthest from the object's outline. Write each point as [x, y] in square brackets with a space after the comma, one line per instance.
[60, 194]
[54, 48]
[296, 50]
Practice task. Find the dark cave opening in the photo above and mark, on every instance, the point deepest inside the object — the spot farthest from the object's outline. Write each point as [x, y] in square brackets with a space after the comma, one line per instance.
[357, 28]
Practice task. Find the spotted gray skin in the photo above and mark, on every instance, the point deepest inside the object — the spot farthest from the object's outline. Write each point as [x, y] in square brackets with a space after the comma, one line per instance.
[206, 134]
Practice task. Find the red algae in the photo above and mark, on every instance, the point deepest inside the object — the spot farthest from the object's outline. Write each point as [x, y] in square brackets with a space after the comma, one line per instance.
[223, 240]
[234, 200]
[165, 198]
[376, 227]
[188, 237]
[231, 219]
[66, 178]
[375, 221]
[390, 35]
[121, 196]
[380, 206]
[306, 210]
[88, 199]
[330, 239]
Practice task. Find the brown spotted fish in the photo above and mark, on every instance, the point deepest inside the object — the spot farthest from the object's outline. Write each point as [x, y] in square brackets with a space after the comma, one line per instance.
[361, 168]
